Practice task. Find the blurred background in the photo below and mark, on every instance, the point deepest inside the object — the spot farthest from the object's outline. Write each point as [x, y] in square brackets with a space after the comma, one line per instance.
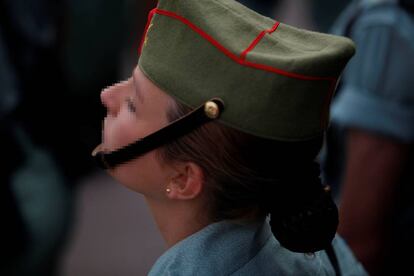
[64, 217]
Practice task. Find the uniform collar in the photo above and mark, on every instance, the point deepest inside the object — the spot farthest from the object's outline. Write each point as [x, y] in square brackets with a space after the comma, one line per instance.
[219, 243]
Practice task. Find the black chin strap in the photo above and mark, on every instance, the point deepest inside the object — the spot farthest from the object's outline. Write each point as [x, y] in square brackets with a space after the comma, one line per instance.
[207, 112]
[333, 259]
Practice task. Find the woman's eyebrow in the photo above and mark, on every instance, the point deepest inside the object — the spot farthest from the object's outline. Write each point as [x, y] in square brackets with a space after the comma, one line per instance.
[137, 91]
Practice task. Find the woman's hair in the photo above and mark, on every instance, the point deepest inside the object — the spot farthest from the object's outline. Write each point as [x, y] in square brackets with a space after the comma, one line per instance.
[247, 177]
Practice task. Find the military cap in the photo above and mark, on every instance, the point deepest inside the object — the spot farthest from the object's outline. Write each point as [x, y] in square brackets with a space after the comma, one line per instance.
[234, 65]
[275, 80]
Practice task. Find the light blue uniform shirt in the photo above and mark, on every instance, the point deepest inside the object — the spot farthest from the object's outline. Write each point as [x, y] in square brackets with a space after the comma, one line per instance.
[226, 248]
[377, 93]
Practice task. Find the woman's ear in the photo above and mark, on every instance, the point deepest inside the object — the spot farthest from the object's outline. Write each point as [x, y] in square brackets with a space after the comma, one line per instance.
[187, 183]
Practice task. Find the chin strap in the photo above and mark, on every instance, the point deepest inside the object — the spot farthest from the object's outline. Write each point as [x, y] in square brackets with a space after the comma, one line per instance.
[209, 111]
[330, 251]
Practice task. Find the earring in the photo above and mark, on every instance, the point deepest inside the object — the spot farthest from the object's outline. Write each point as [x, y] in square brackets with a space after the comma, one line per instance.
[168, 190]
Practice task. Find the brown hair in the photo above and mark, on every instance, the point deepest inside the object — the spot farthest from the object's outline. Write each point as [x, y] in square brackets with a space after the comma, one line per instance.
[240, 169]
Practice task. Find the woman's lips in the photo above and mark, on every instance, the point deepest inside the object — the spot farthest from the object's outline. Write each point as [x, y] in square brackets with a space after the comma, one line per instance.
[97, 150]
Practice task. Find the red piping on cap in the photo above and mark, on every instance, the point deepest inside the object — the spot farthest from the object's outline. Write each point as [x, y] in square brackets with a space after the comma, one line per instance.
[257, 40]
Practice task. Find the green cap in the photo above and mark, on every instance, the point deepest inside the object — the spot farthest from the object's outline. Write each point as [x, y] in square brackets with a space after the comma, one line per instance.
[276, 81]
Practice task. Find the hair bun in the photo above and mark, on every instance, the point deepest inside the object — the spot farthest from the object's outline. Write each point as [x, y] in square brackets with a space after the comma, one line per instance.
[310, 229]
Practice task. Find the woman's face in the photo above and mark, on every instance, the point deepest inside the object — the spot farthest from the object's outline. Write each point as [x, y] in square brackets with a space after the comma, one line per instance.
[136, 108]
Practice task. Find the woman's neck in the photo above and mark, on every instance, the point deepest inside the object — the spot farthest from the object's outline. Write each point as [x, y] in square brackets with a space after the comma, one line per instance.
[177, 220]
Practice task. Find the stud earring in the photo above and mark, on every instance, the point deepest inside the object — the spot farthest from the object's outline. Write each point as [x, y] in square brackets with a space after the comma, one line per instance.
[168, 190]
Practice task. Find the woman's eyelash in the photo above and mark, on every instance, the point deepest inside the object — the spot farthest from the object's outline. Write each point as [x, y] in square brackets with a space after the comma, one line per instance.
[131, 105]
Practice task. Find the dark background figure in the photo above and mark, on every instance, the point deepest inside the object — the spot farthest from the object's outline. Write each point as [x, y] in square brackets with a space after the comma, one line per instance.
[55, 58]
[35, 196]
[11, 158]
[369, 154]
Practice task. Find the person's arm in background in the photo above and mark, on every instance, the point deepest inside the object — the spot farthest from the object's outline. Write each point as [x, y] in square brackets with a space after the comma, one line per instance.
[374, 109]
[370, 184]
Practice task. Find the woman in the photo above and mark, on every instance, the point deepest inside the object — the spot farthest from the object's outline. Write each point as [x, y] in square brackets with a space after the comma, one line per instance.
[218, 127]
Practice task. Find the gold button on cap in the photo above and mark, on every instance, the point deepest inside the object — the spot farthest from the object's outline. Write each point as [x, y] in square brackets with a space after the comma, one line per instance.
[211, 109]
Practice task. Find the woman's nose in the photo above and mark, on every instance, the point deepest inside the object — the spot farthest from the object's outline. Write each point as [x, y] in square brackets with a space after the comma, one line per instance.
[110, 98]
